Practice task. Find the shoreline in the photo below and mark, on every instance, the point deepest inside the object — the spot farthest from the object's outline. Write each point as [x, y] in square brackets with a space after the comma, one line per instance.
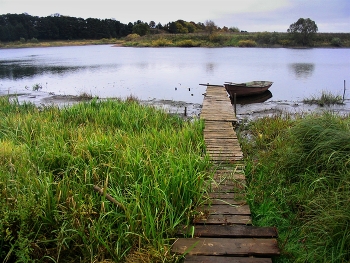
[245, 112]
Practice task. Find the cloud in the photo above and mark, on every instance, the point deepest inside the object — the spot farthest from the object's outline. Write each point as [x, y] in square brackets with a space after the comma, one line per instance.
[251, 15]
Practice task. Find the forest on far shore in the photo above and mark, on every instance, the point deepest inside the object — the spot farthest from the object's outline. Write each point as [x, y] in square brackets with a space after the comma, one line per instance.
[13, 27]
[24, 29]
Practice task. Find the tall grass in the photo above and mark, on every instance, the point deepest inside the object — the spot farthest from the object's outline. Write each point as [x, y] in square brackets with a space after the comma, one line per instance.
[299, 181]
[151, 163]
[326, 98]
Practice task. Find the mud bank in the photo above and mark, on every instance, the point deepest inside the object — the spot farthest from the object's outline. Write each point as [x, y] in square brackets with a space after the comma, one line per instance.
[245, 112]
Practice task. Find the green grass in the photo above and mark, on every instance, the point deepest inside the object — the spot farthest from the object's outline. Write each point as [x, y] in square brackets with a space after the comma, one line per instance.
[299, 181]
[227, 39]
[326, 98]
[151, 163]
[200, 38]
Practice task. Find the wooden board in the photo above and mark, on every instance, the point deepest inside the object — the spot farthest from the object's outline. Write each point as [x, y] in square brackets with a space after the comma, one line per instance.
[236, 231]
[232, 231]
[229, 201]
[225, 195]
[211, 259]
[225, 209]
[226, 246]
[224, 220]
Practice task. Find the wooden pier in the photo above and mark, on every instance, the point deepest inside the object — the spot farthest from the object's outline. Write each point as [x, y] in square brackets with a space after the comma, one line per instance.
[223, 232]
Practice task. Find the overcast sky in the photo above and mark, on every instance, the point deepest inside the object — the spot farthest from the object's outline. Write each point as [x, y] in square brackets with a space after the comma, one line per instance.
[249, 15]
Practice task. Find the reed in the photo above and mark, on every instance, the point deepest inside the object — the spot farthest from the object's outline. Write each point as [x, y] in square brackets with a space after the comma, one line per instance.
[326, 98]
[151, 163]
[299, 181]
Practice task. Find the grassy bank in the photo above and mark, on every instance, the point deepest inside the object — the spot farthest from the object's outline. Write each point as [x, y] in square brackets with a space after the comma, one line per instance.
[58, 43]
[152, 165]
[223, 39]
[299, 181]
[216, 39]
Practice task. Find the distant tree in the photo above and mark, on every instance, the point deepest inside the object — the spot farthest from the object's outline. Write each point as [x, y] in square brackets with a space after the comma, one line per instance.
[172, 28]
[140, 28]
[303, 31]
[210, 26]
[234, 29]
[152, 24]
[190, 27]
[224, 29]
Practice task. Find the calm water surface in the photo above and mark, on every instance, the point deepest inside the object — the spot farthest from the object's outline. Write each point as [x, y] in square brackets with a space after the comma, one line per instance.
[172, 73]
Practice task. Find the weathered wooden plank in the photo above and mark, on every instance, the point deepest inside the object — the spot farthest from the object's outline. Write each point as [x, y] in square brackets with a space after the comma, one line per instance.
[226, 246]
[212, 126]
[210, 137]
[229, 231]
[222, 147]
[225, 209]
[228, 201]
[221, 259]
[227, 189]
[225, 182]
[231, 160]
[217, 181]
[225, 195]
[227, 155]
[229, 176]
[227, 149]
[224, 220]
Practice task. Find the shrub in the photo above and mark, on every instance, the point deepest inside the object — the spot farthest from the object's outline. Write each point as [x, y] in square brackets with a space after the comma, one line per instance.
[33, 40]
[214, 37]
[188, 43]
[336, 42]
[161, 42]
[284, 42]
[246, 43]
[131, 37]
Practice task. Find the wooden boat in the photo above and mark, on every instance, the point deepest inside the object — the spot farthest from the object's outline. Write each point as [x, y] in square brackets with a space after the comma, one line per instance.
[247, 88]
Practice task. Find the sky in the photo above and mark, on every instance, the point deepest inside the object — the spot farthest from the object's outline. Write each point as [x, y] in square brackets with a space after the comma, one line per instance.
[248, 15]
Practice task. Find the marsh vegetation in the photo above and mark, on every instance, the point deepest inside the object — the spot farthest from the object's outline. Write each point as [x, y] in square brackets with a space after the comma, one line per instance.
[152, 164]
[299, 181]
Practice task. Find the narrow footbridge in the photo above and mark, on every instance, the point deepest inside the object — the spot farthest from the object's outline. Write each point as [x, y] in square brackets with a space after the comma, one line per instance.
[223, 232]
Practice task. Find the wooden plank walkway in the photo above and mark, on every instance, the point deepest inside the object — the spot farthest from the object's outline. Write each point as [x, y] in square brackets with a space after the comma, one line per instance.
[222, 230]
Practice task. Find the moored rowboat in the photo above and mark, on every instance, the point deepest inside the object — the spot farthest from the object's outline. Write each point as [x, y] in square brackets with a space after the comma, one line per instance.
[247, 88]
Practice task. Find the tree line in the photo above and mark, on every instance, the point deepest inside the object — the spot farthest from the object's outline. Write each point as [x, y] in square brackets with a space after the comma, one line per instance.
[14, 27]
[24, 27]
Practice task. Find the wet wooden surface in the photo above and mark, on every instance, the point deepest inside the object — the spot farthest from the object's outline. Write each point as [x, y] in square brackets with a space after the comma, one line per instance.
[221, 231]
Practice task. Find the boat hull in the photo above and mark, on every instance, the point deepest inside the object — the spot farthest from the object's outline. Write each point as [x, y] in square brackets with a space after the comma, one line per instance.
[248, 88]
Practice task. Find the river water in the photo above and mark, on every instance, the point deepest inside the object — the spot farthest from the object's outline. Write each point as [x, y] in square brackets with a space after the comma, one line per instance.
[171, 73]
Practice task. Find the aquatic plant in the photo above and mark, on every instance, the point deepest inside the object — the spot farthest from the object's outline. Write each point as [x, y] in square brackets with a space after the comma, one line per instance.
[326, 98]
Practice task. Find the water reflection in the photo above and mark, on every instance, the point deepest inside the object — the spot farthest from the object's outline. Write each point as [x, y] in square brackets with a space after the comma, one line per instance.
[25, 70]
[15, 72]
[302, 70]
[254, 99]
[209, 67]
